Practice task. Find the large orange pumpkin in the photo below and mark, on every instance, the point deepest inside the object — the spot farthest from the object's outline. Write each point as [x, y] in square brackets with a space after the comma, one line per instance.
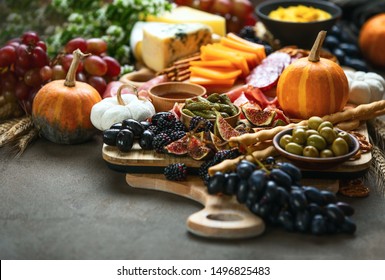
[312, 86]
[61, 109]
[372, 40]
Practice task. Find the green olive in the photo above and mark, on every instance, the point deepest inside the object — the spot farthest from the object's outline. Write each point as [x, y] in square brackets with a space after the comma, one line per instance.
[326, 153]
[328, 133]
[340, 147]
[284, 140]
[325, 123]
[345, 136]
[316, 141]
[294, 148]
[310, 132]
[299, 136]
[310, 151]
[300, 127]
[314, 122]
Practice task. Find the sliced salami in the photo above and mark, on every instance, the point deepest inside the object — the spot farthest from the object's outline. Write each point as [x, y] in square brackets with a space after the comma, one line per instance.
[266, 75]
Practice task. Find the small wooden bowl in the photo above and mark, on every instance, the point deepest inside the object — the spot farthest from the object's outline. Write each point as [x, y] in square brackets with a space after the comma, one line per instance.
[138, 78]
[165, 95]
[233, 120]
[311, 162]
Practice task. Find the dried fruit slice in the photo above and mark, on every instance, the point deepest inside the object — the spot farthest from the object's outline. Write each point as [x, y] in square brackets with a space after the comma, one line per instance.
[224, 129]
[178, 147]
[258, 117]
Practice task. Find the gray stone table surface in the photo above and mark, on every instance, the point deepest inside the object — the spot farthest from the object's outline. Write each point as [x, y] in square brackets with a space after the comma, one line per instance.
[63, 202]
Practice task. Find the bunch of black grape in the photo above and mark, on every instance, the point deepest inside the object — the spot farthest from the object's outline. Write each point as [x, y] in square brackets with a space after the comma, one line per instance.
[275, 194]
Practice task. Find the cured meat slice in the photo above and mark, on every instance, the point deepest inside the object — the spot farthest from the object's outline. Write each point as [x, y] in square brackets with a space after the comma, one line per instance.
[266, 75]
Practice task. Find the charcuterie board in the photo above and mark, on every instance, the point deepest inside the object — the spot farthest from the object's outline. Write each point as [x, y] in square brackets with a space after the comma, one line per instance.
[144, 161]
[222, 216]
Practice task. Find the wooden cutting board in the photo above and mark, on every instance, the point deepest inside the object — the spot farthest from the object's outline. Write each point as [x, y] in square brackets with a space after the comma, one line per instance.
[221, 216]
[142, 161]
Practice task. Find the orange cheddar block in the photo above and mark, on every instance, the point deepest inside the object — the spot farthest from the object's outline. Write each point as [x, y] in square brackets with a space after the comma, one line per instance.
[215, 72]
[222, 63]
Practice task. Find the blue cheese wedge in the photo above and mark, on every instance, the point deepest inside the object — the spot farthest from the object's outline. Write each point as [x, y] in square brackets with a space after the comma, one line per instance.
[165, 43]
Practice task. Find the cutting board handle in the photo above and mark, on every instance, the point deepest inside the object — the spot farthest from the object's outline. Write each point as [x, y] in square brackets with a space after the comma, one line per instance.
[221, 217]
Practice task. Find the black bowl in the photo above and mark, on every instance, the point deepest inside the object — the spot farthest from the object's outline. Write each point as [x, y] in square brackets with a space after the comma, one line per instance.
[301, 34]
[311, 162]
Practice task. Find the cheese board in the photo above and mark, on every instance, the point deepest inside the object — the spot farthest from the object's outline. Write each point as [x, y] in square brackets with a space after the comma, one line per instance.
[145, 161]
[222, 216]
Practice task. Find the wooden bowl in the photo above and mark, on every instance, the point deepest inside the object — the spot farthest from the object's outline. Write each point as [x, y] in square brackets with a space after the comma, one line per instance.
[233, 120]
[311, 162]
[165, 95]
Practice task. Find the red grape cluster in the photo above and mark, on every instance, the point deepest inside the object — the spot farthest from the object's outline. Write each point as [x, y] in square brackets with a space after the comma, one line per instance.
[97, 69]
[23, 65]
[238, 13]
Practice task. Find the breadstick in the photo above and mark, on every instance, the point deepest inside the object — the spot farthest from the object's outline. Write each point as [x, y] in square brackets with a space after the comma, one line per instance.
[348, 125]
[226, 165]
[360, 112]
[374, 115]
[262, 135]
[230, 164]
[259, 146]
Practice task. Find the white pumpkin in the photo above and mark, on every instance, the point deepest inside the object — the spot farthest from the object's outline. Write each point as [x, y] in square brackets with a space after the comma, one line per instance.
[115, 109]
[365, 87]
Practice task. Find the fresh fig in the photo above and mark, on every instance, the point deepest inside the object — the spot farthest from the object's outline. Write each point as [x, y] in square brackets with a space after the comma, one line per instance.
[258, 117]
[197, 149]
[178, 147]
[218, 143]
[280, 117]
[223, 128]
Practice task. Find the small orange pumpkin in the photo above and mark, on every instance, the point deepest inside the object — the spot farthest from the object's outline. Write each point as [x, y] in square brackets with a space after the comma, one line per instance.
[312, 86]
[372, 40]
[61, 109]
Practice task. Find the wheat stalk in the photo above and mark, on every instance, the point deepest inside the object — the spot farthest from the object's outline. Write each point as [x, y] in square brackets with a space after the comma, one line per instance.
[24, 140]
[6, 125]
[377, 169]
[19, 128]
[378, 132]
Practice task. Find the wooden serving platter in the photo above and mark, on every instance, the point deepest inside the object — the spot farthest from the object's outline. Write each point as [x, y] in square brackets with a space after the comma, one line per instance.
[222, 216]
[142, 161]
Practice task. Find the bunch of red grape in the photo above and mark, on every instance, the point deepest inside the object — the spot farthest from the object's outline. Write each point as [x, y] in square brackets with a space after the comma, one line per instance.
[238, 13]
[97, 69]
[23, 65]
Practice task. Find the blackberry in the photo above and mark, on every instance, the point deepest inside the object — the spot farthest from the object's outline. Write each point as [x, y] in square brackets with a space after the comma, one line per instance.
[176, 172]
[199, 124]
[166, 123]
[154, 129]
[179, 126]
[161, 115]
[160, 140]
[175, 135]
[225, 154]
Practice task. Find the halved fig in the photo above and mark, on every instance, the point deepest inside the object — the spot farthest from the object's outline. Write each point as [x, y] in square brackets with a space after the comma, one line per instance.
[258, 117]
